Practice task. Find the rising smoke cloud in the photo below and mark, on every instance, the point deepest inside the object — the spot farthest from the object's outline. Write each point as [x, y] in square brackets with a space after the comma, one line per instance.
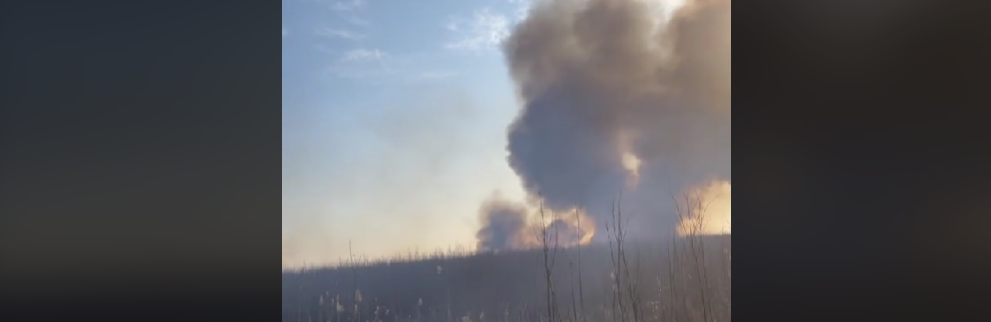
[616, 100]
[505, 226]
[508, 225]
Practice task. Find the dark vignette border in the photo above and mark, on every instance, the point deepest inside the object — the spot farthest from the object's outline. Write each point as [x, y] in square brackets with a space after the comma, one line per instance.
[860, 160]
[138, 160]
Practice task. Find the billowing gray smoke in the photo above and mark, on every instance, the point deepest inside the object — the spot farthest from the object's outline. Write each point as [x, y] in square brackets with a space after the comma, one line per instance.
[601, 78]
[508, 225]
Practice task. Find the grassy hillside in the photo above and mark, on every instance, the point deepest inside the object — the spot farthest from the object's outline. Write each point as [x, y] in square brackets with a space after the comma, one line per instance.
[684, 279]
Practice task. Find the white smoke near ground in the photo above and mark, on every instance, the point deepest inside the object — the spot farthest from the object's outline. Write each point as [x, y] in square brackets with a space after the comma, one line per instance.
[618, 100]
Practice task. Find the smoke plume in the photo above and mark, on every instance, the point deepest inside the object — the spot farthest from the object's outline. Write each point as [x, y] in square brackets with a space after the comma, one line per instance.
[616, 100]
[504, 226]
[507, 225]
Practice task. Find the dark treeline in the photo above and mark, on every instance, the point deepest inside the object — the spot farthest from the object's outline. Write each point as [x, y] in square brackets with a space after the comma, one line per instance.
[685, 279]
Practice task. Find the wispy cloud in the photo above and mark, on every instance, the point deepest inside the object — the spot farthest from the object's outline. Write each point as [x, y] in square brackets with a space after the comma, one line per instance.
[521, 9]
[325, 49]
[364, 64]
[485, 30]
[351, 5]
[355, 20]
[338, 33]
[434, 75]
[347, 10]
[378, 67]
[365, 55]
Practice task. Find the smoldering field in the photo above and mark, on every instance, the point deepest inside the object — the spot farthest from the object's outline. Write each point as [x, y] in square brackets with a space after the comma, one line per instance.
[622, 144]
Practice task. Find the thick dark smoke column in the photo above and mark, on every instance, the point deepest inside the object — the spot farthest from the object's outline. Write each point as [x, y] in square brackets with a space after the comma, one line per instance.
[601, 78]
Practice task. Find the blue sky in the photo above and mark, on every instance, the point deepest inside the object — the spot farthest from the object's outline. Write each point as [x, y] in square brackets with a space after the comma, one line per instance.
[394, 115]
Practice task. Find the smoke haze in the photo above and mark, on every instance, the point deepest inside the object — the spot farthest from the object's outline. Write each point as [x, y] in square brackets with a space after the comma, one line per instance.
[617, 101]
